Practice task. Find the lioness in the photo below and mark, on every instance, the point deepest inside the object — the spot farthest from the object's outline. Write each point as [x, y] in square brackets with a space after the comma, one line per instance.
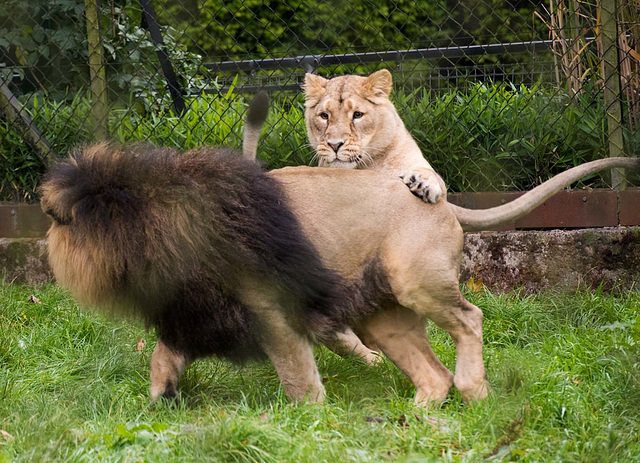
[223, 258]
[352, 124]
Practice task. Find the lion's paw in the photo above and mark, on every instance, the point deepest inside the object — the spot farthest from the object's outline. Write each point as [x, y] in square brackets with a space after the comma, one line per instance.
[428, 189]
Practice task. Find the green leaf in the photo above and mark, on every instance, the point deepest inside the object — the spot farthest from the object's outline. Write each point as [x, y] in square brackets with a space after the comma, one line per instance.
[123, 432]
[159, 427]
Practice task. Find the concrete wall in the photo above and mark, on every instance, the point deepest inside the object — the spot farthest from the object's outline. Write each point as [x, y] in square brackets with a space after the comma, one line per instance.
[24, 260]
[501, 261]
[554, 259]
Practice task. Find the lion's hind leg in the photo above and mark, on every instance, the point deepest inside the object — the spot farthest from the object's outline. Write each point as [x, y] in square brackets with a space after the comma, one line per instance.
[292, 355]
[402, 336]
[346, 343]
[167, 365]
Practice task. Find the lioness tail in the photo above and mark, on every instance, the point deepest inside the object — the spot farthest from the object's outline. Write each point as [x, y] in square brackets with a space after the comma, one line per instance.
[256, 115]
[482, 219]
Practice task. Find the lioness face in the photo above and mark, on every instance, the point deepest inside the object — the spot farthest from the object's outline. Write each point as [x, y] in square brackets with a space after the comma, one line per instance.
[350, 119]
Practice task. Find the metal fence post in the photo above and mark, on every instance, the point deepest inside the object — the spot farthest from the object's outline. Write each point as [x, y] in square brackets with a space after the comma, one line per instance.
[97, 71]
[149, 22]
[15, 113]
[612, 96]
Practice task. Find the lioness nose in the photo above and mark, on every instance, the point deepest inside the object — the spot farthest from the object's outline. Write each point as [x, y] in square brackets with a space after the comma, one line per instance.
[335, 146]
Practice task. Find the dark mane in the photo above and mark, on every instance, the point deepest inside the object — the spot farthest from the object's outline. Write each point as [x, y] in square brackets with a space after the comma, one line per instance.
[174, 236]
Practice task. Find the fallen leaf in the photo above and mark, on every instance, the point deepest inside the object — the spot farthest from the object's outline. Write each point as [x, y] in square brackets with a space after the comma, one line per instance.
[576, 381]
[263, 417]
[475, 286]
[615, 326]
[503, 445]
[34, 299]
[140, 345]
[375, 419]
[439, 423]
[326, 378]
[633, 53]
[5, 435]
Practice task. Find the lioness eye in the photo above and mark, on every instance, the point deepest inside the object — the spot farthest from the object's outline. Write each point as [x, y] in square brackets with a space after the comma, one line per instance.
[357, 114]
[324, 115]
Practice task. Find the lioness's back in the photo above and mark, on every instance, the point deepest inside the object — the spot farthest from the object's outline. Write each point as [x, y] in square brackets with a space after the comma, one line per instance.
[390, 223]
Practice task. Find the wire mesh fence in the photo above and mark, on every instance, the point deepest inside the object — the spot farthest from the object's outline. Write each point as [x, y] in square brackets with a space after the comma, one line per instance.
[500, 95]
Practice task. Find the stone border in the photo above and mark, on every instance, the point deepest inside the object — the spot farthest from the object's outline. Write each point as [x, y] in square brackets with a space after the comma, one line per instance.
[566, 209]
[532, 260]
[24, 260]
[554, 259]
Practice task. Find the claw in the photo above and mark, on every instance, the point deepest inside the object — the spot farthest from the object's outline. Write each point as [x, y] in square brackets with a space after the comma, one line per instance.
[420, 187]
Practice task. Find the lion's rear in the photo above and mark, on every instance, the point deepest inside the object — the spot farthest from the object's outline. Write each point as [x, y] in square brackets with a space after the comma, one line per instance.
[143, 230]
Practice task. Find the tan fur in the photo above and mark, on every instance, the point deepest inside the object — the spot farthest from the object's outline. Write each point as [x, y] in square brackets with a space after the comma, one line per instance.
[355, 220]
[347, 343]
[366, 216]
[379, 141]
[256, 115]
[166, 367]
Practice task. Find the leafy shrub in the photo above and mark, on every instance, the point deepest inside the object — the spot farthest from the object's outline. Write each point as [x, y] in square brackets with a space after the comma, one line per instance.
[238, 29]
[44, 42]
[493, 137]
[64, 123]
[132, 60]
[497, 137]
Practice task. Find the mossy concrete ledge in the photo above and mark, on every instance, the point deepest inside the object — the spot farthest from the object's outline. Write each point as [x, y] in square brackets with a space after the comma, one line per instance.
[554, 259]
[24, 260]
[501, 261]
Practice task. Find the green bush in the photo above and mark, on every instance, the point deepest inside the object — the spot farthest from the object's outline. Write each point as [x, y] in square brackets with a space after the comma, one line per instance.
[492, 137]
[501, 137]
[239, 29]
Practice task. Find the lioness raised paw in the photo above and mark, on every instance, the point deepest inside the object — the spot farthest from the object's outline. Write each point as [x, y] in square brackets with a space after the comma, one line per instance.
[426, 185]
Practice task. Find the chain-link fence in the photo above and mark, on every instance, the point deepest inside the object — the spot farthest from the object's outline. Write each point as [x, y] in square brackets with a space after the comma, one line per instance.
[500, 95]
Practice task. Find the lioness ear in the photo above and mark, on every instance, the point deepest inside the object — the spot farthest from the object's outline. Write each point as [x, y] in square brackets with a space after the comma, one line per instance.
[378, 86]
[314, 87]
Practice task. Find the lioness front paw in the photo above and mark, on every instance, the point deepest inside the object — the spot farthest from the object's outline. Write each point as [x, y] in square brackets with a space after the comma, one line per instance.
[428, 189]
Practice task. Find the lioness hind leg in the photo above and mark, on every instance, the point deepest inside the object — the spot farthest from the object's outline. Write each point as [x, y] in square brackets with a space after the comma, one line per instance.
[345, 343]
[463, 322]
[402, 336]
[166, 367]
[292, 356]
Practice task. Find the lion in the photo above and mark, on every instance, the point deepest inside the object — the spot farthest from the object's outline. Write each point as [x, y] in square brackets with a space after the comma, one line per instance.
[352, 124]
[225, 259]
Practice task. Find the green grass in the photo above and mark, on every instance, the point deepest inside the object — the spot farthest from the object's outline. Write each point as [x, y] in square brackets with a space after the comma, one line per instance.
[565, 372]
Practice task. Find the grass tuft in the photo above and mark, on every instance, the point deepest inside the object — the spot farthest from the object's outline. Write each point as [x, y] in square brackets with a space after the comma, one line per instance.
[565, 373]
